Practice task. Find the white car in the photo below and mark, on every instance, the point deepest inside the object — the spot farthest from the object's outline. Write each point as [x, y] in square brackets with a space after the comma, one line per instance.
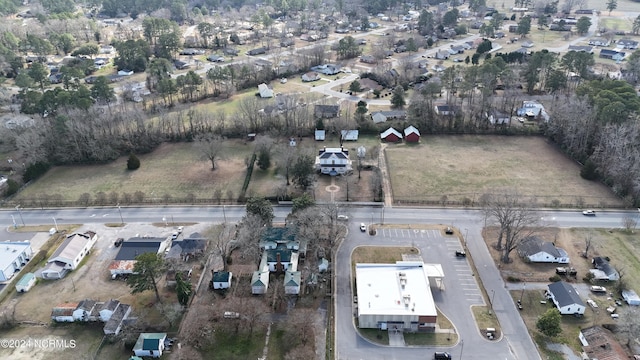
[592, 303]
[363, 227]
[589, 213]
[343, 217]
[180, 228]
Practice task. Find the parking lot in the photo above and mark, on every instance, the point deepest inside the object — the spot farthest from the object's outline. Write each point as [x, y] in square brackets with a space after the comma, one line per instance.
[437, 247]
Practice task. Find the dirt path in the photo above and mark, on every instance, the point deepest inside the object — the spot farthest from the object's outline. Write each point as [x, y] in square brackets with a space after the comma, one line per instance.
[386, 183]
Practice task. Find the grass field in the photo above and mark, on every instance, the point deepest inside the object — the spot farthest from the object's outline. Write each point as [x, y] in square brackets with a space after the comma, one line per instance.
[173, 169]
[460, 167]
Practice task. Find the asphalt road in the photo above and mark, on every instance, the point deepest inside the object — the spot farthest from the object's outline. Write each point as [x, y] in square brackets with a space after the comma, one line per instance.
[516, 343]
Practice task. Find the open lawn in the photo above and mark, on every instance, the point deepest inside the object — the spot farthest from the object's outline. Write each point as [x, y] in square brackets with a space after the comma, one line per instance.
[616, 23]
[462, 168]
[173, 169]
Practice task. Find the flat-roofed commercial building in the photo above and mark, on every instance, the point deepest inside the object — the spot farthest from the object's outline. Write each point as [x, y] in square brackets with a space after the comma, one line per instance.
[397, 296]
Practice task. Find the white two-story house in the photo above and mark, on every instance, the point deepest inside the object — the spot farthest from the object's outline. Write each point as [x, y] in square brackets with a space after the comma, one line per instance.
[333, 161]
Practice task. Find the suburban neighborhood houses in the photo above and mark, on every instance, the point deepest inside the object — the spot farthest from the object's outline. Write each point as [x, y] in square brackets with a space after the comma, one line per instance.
[320, 180]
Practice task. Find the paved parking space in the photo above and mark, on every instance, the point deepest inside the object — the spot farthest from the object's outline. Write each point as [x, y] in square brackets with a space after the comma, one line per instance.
[410, 233]
[436, 247]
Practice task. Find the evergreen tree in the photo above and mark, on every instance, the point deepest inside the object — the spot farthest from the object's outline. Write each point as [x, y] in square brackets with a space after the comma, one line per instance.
[133, 162]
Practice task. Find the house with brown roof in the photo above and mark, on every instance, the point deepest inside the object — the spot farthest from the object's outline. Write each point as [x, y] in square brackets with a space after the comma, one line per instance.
[599, 343]
[64, 312]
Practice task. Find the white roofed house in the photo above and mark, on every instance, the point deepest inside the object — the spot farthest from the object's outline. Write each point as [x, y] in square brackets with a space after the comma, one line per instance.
[265, 91]
[535, 249]
[13, 256]
[333, 161]
[69, 254]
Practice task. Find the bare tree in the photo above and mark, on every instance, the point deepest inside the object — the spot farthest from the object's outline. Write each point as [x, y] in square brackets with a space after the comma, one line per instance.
[223, 239]
[588, 244]
[628, 325]
[247, 235]
[285, 157]
[170, 311]
[629, 223]
[210, 147]
[516, 220]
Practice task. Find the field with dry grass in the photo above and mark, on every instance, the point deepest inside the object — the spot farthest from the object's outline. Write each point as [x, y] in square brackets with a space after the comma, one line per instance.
[465, 167]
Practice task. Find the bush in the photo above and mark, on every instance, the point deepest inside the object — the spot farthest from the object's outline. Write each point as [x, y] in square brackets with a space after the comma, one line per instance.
[35, 170]
[133, 163]
[12, 187]
[513, 279]
[555, 278]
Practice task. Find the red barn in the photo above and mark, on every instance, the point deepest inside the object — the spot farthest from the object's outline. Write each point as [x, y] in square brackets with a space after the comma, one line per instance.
[411, 134]
[391, 135]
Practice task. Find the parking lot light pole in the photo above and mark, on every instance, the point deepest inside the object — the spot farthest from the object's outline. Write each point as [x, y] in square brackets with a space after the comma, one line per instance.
[493, 295]
[20, 212]
[461, 348]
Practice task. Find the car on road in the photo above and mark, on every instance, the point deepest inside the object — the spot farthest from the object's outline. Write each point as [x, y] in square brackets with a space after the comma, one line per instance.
[118, 242]
[343, 217]
[180, 228]
[589, 213]
[441, 355]
[461, 253]
[175, 235]
[449, 231]
[363, 227]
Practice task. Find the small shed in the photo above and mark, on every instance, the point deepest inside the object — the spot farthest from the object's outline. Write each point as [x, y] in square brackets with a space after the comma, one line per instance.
[631, 297]
[320, 135]
[292, 281]
[411, 134]
[221, 279]
[26, 283]
[350, 135]
[265, 91]
[64, 312]
[391, 135]
[150, 344]
[260, 282]
[125, 72]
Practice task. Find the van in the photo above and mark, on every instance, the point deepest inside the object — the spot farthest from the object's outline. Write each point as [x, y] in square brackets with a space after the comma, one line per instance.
[441, 355]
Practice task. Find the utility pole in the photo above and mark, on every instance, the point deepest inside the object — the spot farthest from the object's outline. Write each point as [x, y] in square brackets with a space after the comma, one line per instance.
[120, 211]
[20, 212]
[55, 223]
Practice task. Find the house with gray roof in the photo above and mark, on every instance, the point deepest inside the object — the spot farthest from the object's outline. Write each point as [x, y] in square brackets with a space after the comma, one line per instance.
[566, 298]
[130, 249]
[603, 270]
[114, 325]
[627, 44]
[333, 161]
[536, 250]
[69, 254]
[187, 249]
